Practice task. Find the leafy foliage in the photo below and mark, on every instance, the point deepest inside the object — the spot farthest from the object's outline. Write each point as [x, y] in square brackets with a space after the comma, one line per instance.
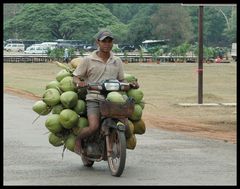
[131, 23]
[172, 22]
[59, 21]
[58, 53]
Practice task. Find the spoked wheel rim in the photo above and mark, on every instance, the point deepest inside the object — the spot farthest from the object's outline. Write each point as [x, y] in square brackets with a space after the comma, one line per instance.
[116, 161]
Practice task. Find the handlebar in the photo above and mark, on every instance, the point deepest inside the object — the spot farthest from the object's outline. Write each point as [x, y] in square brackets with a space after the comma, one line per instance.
[108, 85]
[94, 86]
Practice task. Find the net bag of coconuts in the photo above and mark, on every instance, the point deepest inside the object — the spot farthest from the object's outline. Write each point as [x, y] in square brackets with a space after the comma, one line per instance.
[65, 108]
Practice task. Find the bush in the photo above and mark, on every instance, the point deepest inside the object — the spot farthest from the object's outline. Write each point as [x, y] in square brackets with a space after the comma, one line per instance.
[58, 53]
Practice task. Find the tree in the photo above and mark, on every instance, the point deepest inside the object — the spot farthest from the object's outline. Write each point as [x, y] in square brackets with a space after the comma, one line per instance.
[11, 9]
[131, 23]
[172, 22]
[124, 11]
[214, 24]
[120, 32]
[231, 31]
[59, 21]
[140, 27]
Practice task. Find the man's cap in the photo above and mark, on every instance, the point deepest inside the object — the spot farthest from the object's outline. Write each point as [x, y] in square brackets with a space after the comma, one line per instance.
[102, 34]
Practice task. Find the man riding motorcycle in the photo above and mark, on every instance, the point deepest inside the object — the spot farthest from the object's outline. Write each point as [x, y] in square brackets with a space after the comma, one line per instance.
[98, 66]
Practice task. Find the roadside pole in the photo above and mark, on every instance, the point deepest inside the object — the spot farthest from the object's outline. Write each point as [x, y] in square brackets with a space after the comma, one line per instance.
[200, 55]
[200, 45]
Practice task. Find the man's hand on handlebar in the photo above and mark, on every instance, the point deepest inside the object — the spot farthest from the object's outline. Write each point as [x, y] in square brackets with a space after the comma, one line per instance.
[81, 84]
[134, 85]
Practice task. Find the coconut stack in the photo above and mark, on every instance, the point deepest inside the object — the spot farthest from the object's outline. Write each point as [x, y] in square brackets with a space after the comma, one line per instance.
[65, 108]
[135, 121]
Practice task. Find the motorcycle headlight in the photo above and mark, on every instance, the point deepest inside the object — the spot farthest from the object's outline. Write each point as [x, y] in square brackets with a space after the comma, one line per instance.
[112, 86]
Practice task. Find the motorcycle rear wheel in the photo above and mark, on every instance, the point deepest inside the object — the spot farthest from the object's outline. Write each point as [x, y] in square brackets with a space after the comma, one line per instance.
[116, 162]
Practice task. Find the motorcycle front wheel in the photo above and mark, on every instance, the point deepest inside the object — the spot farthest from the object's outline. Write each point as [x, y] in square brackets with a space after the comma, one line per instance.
[86, 162]
[117, 159]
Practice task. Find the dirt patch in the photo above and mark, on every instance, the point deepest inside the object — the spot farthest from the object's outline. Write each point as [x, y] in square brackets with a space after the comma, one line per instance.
[21, 93]
[190, 127]
[167, 123]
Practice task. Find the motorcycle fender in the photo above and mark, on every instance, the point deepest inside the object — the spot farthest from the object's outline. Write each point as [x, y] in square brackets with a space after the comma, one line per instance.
[110, 123]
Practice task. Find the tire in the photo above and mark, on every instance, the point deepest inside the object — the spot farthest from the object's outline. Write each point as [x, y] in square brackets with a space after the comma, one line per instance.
[116, 162]
[87, 163]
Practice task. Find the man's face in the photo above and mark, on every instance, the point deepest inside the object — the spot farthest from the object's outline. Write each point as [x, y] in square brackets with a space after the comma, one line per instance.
[106, 44]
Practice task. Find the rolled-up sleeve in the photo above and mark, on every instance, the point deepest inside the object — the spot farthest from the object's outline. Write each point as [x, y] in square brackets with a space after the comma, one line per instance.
[121, 71]
[81, 69]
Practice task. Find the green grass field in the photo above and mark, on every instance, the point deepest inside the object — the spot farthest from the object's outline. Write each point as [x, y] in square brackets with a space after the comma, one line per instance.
[164, 86]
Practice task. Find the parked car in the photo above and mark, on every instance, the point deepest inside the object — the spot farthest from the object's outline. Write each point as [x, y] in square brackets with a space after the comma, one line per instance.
[15, 47]
[70, 44]
[127, 48]
[65, 45]
[36, 49]
[90, 48]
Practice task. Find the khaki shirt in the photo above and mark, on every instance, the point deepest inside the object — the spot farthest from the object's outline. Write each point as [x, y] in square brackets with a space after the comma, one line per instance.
[93, 69]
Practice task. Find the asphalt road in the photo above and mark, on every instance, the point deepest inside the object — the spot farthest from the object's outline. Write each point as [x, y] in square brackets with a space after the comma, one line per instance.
[160, 157]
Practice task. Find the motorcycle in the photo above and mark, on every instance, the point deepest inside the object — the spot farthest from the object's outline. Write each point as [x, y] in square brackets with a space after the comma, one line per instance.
[109, 141]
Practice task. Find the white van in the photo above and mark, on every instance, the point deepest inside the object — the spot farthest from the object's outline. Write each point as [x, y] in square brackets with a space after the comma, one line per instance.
[50, 45]
[16, 47]
[36, 49]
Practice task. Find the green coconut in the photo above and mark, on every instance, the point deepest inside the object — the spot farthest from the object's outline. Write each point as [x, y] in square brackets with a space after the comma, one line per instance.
[70, 142]
[131, 142]
[115, 97]
[136, 94]
[41, 108]
[55, 140]
[57, 109]
[51, 97]
[69, 99]
[80, 107]
[82, 123]
[130, 129]
[137, 113]
[131, 126]
[139, 127]
[53, 84]
[142, 104]
[63, 133]
[61, 74]
[129, 77]
[53, 124]
[68, 118]
[67, 84]
[125, 97]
